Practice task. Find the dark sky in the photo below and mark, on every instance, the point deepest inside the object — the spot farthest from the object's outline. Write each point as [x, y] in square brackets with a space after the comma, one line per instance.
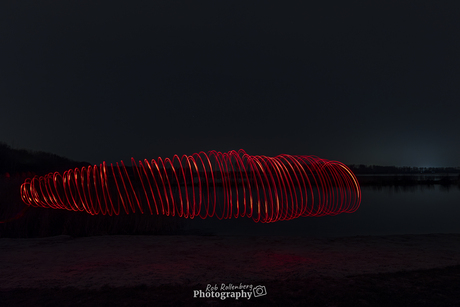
[369, 82]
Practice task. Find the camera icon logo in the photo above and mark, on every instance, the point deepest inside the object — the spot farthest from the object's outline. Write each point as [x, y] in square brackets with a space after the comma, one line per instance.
[259, 291]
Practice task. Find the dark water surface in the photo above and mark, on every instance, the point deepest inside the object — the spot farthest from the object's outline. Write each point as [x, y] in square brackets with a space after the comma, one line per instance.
[384, 211]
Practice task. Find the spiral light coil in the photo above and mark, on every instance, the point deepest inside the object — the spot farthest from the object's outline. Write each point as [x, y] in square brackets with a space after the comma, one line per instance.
[224, 185]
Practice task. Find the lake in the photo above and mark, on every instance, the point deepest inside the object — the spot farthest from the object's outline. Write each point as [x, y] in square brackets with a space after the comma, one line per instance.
[415, 209]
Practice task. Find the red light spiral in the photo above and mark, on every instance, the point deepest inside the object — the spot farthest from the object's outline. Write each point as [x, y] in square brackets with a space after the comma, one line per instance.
[224, 185]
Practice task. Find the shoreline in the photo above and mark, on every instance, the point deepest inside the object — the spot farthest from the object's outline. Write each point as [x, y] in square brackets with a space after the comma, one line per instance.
[130, 261]
[392, 270]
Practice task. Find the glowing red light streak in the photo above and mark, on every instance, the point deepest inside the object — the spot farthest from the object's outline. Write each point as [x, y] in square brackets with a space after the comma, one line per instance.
[225, 185]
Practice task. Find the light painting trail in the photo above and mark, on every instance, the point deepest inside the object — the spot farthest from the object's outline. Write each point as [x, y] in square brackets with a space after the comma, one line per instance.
[224, 185]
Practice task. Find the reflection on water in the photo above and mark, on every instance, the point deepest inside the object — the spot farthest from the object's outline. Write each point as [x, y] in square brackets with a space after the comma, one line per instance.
[384, 210]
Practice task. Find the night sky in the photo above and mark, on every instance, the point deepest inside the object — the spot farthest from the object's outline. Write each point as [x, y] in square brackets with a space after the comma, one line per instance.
[369, 82]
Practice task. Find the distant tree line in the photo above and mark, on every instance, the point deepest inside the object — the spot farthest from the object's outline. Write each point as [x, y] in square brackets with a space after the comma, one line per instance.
[15, 161]
[378, 169]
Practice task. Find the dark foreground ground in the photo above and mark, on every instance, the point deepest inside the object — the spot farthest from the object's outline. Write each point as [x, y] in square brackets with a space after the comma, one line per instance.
[396, 270]
[434, 287]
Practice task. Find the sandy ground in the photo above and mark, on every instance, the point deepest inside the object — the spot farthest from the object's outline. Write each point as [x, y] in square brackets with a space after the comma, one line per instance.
[129, 261]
